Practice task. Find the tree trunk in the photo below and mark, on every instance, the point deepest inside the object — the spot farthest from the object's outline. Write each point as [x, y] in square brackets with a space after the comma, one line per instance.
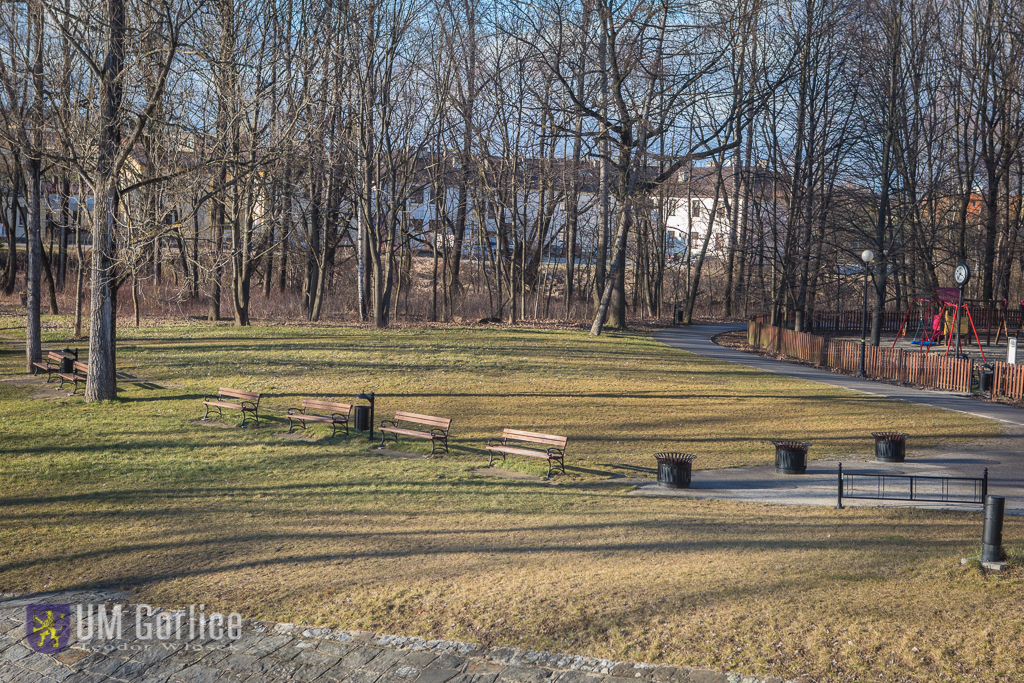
[213, 312]
[65, 222]
[80, 278]
[286, 229]
[33, 233]
[241, 268]
[603, 182]
[11, 264]
[33, 341]
[691, 298]
[620, 258]
[102, 377]
[51, 288]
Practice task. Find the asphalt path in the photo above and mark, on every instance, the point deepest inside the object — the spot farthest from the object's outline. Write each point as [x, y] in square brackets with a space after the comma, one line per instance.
[1003, 456]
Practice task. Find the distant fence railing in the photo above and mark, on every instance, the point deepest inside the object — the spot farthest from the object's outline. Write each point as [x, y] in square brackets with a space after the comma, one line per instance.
[987, 319]
[911, 487]
[850, 321]
[927, 369]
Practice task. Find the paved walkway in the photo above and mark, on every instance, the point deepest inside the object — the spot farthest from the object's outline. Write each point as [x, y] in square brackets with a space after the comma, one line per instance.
[697, 339]
[1002, 455]
[275, 653]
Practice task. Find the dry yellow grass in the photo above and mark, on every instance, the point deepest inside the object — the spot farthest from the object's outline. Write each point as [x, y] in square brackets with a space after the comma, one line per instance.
[136, 494]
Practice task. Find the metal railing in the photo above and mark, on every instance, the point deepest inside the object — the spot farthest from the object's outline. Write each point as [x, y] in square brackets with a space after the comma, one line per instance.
[910, 487]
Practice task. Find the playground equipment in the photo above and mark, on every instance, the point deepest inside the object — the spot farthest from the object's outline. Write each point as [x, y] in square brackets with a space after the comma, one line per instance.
[1002, 327]
[953, 317]
[929, 328]
[939, 315]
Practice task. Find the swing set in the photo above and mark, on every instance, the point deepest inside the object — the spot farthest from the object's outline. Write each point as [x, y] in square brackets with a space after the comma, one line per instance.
[938, 319]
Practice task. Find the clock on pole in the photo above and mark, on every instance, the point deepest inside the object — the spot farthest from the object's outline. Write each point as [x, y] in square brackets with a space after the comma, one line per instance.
[962, 274]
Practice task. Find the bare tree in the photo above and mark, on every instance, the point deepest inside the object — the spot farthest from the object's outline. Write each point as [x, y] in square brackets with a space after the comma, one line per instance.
[21, 77]
[120, 124]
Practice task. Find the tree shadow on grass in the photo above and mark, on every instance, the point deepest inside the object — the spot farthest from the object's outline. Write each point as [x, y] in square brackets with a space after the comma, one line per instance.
[141, 383]
[671, 533]
[458, 447]
[631, 469]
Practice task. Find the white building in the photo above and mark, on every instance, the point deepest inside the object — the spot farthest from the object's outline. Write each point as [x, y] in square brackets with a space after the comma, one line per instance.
[693, 200]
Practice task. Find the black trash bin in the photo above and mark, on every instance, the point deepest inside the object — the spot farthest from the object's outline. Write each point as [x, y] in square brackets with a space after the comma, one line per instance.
[985, 381]
[361, 418]
[675, 470]
[890, 446]
[67, 362]
[791, 457]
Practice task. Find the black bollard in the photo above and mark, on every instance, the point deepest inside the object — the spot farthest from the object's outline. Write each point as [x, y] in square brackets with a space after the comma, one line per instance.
[992, 535]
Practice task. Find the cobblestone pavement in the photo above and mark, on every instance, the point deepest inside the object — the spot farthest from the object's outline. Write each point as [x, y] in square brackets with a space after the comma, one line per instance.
[268, 653]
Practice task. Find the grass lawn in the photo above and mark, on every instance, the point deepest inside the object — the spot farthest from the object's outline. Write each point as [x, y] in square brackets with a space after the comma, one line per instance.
[138, 494]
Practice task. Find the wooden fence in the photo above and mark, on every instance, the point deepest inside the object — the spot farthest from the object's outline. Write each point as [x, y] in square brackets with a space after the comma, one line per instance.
[930, 370]
[933, 370]
[1008, 381]
[806, 347]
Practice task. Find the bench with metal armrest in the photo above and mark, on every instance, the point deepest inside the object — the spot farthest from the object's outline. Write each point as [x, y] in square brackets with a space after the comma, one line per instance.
[248, 402]
[335, 414]
[555, 450]
[438, 428]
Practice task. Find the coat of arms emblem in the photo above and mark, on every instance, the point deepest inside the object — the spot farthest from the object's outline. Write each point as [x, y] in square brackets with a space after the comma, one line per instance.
[48, 627]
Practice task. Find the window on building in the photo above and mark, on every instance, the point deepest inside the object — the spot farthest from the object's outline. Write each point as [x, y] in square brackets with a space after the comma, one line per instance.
[695, 208]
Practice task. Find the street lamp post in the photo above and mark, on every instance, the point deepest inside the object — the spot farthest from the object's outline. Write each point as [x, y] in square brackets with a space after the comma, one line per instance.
[867, 256]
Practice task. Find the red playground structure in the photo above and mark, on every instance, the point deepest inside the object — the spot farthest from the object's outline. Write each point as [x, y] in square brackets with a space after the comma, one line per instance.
[938, 320]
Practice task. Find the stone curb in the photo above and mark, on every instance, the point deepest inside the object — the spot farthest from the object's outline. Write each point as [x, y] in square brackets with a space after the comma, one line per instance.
[466, 662]
[511, 656]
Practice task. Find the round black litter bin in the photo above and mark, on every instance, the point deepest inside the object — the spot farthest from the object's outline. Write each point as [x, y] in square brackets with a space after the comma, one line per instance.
[890, 446]
[361, 418]
[791, 457]
[985, 381]
[674, 470]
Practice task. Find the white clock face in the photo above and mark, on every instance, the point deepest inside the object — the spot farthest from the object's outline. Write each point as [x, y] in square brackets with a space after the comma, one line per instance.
[961, 274]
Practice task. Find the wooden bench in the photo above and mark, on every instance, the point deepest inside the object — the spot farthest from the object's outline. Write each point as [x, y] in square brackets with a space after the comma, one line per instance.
[51, 365]
[556, 450]
[322, 411]
[248, 403]
[439, 427]
[79, 373]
